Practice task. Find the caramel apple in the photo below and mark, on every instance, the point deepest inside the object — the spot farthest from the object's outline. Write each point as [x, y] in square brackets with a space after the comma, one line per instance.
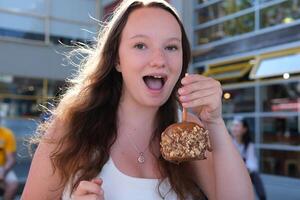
[184, 141]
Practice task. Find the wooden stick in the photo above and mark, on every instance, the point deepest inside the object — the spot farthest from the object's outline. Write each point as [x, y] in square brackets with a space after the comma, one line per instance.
[184, 114]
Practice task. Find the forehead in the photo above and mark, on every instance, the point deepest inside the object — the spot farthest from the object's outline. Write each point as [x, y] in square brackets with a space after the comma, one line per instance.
[152, 22]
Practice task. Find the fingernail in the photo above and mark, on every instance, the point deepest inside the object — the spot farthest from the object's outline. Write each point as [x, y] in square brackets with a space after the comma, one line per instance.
[97, 181]
[180, 91]
[182, 98]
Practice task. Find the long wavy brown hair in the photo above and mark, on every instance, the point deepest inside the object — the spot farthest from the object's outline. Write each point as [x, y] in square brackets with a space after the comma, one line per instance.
[88, 108]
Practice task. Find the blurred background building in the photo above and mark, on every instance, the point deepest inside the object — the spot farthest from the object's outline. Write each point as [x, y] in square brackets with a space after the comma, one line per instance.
[251, 46]
[32, 65]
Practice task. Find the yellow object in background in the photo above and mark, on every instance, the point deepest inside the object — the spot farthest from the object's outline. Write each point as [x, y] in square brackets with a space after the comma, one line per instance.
[7, 144]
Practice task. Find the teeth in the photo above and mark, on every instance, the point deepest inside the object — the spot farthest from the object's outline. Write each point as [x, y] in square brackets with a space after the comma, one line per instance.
[157, 76]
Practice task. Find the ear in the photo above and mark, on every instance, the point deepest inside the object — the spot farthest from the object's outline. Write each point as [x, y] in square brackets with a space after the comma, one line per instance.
[118, 67]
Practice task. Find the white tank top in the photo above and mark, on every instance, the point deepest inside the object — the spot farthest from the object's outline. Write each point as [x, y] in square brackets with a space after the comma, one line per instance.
[119, 186]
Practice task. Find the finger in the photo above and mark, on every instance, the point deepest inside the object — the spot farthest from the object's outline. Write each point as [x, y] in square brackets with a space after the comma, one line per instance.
[196, 86]
[88, 197]
[194, 118]
[87, 187]
[190, 78]
[190, 88]
[210, 101]
[98, 181]
[197, 95]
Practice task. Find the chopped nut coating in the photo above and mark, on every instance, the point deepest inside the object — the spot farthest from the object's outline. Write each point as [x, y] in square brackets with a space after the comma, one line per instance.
[184, 141]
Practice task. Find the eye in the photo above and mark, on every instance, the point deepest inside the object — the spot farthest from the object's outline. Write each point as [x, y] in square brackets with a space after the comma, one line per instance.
[140, 46]
[172, 47]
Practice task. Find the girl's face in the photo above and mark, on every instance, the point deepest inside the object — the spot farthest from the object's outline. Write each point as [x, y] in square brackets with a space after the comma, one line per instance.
[237, 128]
[150, 56]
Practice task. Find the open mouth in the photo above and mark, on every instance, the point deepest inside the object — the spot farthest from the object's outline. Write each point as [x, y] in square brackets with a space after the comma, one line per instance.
[154, 82]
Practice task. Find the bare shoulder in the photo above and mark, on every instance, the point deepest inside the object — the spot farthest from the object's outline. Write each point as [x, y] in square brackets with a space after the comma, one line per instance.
[41, 168]
[56, 129]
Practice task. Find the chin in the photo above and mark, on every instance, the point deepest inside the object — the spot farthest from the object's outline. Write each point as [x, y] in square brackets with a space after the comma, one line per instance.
[155, 102]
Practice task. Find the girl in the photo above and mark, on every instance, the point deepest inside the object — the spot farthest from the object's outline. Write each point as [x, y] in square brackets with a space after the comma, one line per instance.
[241, 138]
[103, 139]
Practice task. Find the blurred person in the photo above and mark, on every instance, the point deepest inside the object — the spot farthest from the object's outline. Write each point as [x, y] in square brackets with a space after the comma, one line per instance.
[8, 178]
[102, 140]
[242, 139]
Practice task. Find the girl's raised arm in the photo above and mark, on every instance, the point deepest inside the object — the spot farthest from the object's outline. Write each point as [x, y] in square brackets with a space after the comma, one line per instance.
[232, 180]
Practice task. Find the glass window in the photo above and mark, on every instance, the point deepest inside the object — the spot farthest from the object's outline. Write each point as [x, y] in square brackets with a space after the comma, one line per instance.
[202, 1]
[285, 12]
[221, 9]
[21, 23]
[264, 1]
[238, 100]
[283, 130]
[21, 26]
[20, 96]
[22, 86]
[34, 6]
[20, 106]
[280, 97]
[73, 31]
[78, 10]
[283, 163]
[234, 27]
[210, 34]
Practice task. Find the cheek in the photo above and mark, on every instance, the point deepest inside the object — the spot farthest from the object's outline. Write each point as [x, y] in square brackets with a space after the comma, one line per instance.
[175, 63]
[129, 65]
[239, 131]
[133, 62]
[235, 130]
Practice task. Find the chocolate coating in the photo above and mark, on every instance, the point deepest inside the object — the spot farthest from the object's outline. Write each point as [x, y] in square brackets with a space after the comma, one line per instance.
[184, 141]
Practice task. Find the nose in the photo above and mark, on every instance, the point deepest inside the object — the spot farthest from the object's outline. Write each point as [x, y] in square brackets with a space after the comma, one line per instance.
[158, 58]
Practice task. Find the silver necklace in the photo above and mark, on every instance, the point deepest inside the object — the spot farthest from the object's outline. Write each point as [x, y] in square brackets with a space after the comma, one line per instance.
[141, 154]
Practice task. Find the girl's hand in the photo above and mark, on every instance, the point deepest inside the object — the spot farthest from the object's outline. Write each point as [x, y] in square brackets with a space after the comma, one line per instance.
[89, 190]
[203, 95]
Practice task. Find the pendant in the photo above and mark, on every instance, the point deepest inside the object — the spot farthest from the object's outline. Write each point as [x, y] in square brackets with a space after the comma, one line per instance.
[141, 158]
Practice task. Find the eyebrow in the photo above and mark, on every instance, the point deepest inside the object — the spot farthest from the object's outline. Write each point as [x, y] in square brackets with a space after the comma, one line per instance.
[145, 36]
